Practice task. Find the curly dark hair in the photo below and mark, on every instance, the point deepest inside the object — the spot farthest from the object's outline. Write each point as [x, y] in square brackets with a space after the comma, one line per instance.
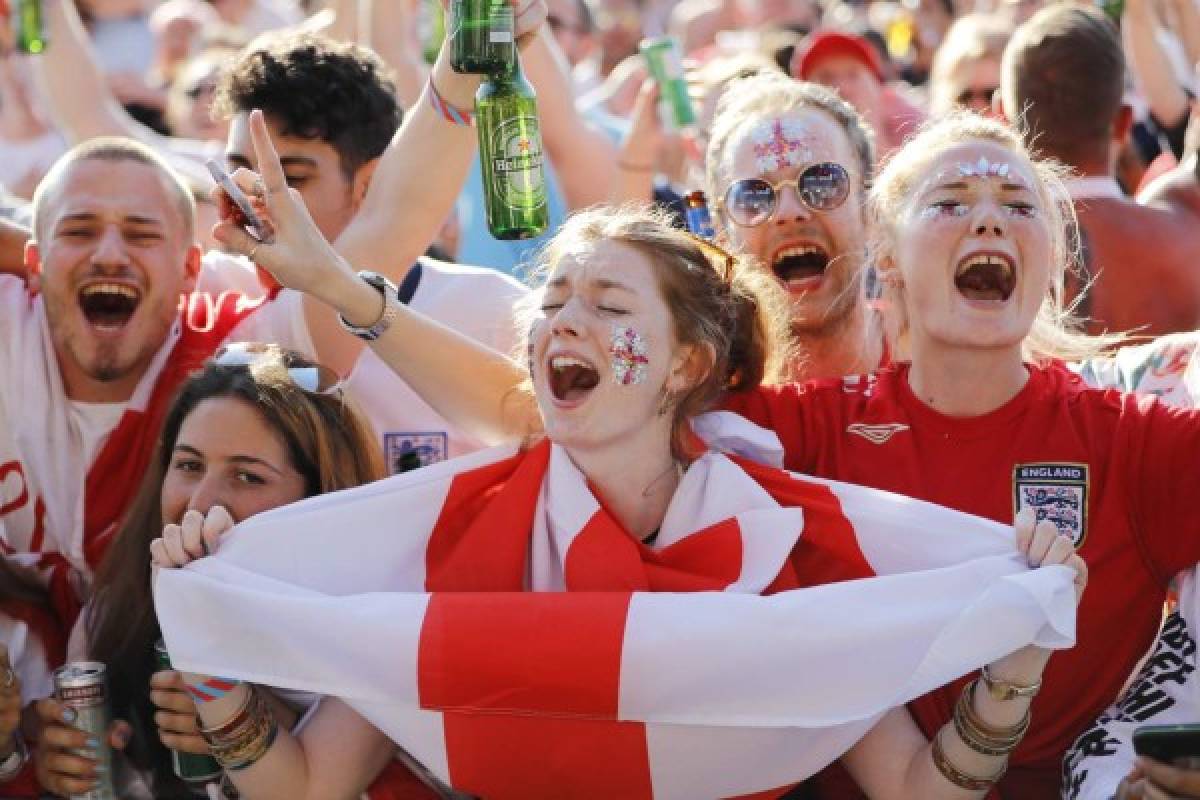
[316, 88]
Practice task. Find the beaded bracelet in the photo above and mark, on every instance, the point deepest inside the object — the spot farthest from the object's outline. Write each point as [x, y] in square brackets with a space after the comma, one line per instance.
[449, 113]
[955, 775]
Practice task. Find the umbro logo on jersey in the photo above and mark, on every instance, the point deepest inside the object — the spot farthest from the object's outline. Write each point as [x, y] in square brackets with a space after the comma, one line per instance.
[876, 434]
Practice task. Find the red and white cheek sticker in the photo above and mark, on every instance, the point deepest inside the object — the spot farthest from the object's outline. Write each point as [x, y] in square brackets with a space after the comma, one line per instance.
[779, 143]
[628, 351]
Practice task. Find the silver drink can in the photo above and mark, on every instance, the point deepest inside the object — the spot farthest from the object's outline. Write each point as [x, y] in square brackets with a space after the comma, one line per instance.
[80, 685]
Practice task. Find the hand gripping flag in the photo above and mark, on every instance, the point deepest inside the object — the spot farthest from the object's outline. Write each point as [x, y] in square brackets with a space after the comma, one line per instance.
[492, 618]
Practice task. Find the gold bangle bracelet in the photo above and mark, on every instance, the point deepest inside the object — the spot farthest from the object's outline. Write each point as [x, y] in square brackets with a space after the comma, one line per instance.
[981, 737]
[955, 775]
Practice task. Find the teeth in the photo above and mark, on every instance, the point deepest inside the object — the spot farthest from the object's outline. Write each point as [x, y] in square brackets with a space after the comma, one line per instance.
[800, 250]
[983, 261]
[110, 288]
[562, 362]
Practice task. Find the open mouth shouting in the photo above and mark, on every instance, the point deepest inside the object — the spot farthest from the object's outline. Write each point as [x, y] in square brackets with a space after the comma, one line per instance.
[571, 379]
[986, 278]
[800, 266]
[107, 305]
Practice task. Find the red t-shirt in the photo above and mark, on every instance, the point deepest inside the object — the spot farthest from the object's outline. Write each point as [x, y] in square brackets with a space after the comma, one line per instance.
[1118, 472]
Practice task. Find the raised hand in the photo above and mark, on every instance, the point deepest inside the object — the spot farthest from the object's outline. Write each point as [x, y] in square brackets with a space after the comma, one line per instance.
[197, 535]
[299, 256]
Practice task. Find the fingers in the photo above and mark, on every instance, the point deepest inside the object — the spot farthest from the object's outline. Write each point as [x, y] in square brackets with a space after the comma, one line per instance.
[268, 159]
[1023, 526]
[216, 524]
[1169, 780]
[190, 540]
[1044, 536]
[158, 555]
[119, 734]
[63, 763]
[172, 539]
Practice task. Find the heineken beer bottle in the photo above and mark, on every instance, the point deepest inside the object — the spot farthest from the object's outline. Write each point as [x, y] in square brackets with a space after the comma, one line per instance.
[481, 36]
[510, 153]
[31, 26]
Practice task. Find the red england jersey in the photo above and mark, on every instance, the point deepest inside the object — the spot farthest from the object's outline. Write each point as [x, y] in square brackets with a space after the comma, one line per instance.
[1118, 473]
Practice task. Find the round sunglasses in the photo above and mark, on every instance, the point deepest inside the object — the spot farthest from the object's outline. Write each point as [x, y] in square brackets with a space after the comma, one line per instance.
[753, 201]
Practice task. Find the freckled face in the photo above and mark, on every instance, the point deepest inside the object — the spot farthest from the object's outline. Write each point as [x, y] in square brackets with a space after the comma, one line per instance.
[603, 349]
[973, 247]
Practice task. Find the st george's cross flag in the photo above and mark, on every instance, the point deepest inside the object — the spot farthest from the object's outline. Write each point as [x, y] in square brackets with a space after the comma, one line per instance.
[491, 617]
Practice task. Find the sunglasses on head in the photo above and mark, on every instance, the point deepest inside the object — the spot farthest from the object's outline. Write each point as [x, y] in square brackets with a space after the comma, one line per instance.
[753, 201]
[313, 378]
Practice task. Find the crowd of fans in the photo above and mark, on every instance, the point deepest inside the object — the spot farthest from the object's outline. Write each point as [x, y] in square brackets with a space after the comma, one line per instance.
[421, 513]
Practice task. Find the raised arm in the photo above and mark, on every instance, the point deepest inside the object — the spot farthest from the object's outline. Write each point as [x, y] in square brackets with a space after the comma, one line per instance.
[389, 27]
[79, 97]
[1167, 99]
[468, 384]
[583, 156]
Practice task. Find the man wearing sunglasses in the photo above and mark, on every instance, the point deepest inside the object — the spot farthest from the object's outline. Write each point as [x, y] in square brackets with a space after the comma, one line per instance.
[787, 166]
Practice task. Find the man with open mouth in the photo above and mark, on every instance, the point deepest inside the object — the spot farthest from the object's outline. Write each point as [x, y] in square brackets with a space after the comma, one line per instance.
[787, 164]
[106, 320]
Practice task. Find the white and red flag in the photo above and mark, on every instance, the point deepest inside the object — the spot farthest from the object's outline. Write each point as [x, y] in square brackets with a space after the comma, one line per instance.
[490, 616]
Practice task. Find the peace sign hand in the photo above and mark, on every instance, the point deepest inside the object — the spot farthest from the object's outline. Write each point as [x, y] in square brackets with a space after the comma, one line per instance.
[297, 255]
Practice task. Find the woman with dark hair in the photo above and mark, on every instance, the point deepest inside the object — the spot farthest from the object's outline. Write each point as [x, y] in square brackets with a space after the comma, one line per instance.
[257, 428]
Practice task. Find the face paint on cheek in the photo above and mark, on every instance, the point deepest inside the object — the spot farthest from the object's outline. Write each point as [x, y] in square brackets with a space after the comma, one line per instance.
[628, 351]
[779, 143]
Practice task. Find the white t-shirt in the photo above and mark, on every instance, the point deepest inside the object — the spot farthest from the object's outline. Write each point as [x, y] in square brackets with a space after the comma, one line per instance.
[47, 443]
[473, 301]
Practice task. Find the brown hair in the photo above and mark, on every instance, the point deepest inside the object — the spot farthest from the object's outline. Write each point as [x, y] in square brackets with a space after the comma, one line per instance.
[717, 301]
[328, 443]
[1063, 79]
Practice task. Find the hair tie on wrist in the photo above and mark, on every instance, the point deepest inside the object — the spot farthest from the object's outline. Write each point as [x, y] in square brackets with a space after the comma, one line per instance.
[449, 113]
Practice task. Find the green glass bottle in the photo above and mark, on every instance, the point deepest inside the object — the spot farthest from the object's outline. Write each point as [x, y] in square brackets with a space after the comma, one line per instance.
[510, 153]
[31, 26]
[481, 36]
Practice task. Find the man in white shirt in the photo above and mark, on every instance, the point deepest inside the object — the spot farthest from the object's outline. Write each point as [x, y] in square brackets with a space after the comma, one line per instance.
[90, 347]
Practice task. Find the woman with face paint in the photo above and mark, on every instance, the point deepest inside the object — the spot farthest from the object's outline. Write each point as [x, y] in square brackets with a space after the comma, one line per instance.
[972, 237]
[639, 328]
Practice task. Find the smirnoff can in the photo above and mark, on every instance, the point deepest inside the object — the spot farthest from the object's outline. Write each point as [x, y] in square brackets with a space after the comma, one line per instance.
[190, 767]
[80, 685]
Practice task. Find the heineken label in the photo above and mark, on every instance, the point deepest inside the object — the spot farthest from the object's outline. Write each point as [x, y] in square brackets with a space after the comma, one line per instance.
[517, 164]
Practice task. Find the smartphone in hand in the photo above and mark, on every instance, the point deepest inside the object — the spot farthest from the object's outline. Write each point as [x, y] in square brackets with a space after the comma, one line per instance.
[1178, 745]
[252, 221]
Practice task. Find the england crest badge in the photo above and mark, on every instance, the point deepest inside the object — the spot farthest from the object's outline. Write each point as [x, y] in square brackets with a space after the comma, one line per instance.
[1056, 492]
[409, 451]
